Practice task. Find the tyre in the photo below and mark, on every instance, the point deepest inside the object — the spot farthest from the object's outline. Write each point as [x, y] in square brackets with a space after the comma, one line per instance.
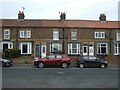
[64, 65]
[41, 65]
[81, 65]
[102, 65]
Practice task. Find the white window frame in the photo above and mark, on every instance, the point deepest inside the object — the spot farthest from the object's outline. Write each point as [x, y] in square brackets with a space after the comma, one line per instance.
[101, 47]
[29, 49]
[116, 49]
[99, 34]
[117, 36]
[22, 34]
[55, 35]
[73, 35]
[52, 46]
[6, 36]
[70, 49]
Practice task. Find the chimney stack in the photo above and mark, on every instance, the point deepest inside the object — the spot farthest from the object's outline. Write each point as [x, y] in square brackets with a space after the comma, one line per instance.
[102, 17]
[21, 15]
[63, 16]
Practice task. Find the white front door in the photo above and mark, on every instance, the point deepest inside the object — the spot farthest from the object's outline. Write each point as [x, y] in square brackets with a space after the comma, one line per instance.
[91, 50]
[43, 50]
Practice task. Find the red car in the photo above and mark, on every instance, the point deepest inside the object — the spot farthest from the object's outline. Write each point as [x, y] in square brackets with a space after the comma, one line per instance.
[61, 60]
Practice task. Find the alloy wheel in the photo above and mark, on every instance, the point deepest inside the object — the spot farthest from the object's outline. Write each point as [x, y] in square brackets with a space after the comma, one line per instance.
[41, 65]
[64, 65]
[102, 65]
[81, 65]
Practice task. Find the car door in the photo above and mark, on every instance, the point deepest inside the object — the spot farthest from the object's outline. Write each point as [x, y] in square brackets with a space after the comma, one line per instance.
[50, 60]
[94, 61]
[58, 59]
[91, 61]
[86, 61]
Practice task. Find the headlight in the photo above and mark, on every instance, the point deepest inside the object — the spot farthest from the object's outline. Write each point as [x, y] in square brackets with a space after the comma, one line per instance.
[36, 59]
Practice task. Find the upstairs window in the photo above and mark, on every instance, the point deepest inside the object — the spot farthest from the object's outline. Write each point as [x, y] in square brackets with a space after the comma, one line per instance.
[6, 34]
[55, 35]
[118, 36]
[99, 34]
[25, 34]
[73, 35]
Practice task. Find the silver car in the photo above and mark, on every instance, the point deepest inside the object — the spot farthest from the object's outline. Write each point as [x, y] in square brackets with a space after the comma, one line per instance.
[6, 62]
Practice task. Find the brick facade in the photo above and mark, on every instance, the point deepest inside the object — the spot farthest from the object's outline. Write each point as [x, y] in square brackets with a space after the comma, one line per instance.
[41, 39]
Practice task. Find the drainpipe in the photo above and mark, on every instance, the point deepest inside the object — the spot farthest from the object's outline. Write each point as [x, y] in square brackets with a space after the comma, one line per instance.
[63, 32]
[17, 46]
[110, 38]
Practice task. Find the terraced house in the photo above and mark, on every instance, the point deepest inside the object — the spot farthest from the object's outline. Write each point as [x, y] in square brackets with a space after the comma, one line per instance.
[73, 37]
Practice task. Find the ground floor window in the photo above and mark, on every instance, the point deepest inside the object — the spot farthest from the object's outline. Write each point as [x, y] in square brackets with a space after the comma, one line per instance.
[55, 46]
[25, 48]
[102, 48]
[117, 49]
[73, 48]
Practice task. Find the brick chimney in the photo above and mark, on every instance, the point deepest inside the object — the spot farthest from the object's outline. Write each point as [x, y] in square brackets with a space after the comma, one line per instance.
[21, 15]
[63, 16]
[102, 17]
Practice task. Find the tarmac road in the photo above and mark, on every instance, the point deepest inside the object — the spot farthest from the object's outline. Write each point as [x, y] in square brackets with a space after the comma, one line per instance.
[73, 77]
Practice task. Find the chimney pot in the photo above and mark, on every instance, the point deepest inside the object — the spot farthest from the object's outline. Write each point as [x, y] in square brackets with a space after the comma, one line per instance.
[63, 16]
[21, 15]
[102, 17]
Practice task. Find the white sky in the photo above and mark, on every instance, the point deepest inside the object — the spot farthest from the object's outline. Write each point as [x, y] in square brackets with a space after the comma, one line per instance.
[49, 9]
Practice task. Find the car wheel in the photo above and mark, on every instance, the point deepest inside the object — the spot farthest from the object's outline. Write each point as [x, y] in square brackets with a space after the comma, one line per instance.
[41, 65]
[81, 65]
[64, 65]
[102, 65]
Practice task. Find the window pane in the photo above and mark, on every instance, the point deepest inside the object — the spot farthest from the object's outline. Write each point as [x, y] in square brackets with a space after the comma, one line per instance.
[24, 48]
[55, 46]
[73, 35]
[73, 48]
[6, 34]
[103, 50]
[55, 35]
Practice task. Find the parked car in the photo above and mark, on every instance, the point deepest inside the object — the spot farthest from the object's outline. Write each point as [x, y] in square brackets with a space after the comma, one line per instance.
[6, 62]
[54, 59]
[91, 61]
